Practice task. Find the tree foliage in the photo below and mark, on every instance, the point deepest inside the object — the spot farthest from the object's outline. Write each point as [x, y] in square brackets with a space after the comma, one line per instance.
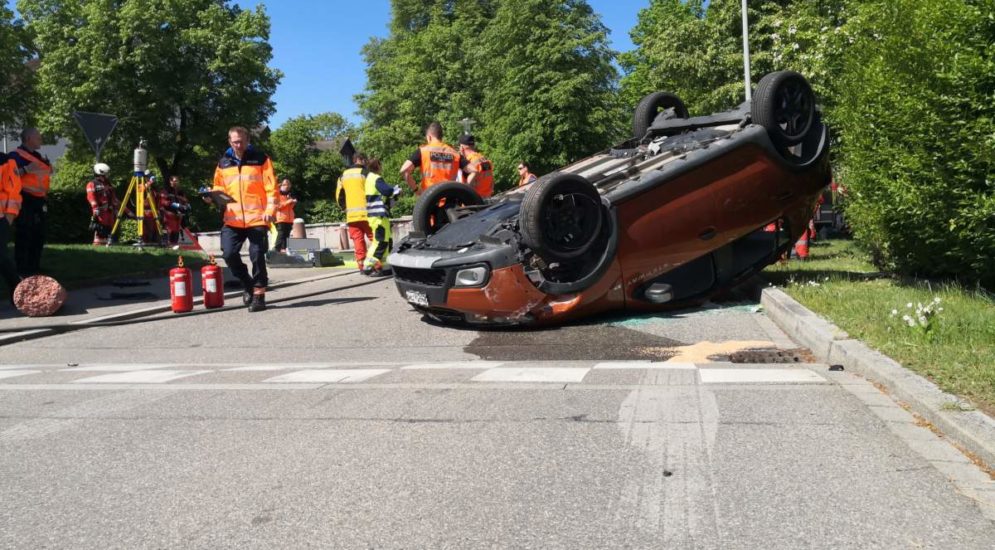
[16, 78]
[536, 76]
[300, 153]
[176, 72]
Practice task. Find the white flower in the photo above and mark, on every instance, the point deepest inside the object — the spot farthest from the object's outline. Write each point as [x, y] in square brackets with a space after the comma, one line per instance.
[792, 29]
[908, 304]
[894, 312]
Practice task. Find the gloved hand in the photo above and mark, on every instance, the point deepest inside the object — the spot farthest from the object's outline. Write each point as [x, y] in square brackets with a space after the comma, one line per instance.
[94, 224]
[397, 191]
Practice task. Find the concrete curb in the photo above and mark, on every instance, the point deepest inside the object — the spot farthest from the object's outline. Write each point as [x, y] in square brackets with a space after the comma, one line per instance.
[161, 307]
[971, 429]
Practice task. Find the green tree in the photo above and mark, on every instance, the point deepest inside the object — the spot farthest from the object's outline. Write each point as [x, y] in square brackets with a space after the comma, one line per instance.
[301, 152]
[550, 92]
[176, 72]
[15, 75]
[423, 71]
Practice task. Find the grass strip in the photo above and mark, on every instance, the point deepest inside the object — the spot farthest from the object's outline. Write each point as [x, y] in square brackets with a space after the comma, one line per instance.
[953, 346]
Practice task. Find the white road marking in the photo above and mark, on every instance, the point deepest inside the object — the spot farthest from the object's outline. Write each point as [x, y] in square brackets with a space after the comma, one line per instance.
[286, 366]
[330, 376]
[456, 365]
[760, 376]
[564, 375]
[140, 377]
[121, 367]
[644, 365]
[13, 373]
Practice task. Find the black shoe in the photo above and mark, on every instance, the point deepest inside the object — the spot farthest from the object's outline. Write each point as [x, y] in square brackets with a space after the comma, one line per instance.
[246, 297]
[258, 303]
[377, 273]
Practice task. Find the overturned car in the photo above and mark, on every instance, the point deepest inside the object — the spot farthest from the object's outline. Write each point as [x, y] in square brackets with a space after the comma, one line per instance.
[688, 207]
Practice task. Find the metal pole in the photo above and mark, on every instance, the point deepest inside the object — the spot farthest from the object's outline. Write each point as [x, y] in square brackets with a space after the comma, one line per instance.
[746, 53]
[5, 138]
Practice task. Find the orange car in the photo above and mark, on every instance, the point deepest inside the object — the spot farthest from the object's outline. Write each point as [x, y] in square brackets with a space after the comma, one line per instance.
[687, 207]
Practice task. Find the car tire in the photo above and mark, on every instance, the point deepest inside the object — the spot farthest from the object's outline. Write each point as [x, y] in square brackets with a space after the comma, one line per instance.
[784, 105]
[561, 217]
[650, 106]
[430, 213]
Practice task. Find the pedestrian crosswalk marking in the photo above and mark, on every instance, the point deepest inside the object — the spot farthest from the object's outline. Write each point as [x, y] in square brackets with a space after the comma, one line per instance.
[13, 373]
[140, 377]
[329, 376]
[512, 372]
[645, 365]
[759, 376]
[540, 374]
[457, 365]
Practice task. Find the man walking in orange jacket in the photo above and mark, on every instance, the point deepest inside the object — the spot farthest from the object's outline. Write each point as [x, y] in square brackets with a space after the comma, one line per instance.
[246, 175]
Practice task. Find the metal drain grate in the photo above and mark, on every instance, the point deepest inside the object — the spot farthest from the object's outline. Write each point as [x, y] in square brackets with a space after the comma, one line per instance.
[770, 356]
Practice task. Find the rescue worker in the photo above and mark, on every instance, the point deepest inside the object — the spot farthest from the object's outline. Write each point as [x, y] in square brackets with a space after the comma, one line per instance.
[439, 163]
[284, 215]
[173, 206]
[103, 204]
[10, 207]
[35, 171]
[525, 177]
[246, 175]
[378, 197]
[350, 193]
[478, 171]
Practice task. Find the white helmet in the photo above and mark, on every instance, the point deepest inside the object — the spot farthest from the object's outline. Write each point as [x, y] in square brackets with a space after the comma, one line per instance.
[101, 169]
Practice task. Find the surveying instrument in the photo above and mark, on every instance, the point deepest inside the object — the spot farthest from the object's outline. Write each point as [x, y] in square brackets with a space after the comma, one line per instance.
[140, 187]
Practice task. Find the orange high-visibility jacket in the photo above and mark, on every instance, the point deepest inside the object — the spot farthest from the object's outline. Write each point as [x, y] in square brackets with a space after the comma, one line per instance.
[285, 208]
[36, 172]
[10, 187]
[439, 164]
[484, 181]
[252, 183]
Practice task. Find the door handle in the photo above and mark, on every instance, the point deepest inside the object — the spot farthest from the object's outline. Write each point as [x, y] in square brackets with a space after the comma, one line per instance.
[707, 234]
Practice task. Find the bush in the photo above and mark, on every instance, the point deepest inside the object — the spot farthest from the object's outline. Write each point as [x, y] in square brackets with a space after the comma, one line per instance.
[915, 122]
[320, 211]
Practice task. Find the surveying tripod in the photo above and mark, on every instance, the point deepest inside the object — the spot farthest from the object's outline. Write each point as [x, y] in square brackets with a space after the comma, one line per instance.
[142, 194]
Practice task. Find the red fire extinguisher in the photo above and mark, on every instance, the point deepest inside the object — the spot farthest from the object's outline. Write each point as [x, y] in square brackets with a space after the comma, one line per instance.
[181, 287]
[212, 284]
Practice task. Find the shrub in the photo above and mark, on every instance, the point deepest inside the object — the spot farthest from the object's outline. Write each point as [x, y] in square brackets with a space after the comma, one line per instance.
[915, 121]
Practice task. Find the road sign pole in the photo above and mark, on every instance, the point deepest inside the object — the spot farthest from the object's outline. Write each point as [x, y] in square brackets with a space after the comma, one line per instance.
[746, 53]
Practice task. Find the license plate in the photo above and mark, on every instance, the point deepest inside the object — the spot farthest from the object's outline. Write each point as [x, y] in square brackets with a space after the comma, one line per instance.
[416, 298]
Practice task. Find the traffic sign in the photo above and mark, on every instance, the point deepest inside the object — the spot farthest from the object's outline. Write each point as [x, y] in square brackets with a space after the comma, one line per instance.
[96, 127]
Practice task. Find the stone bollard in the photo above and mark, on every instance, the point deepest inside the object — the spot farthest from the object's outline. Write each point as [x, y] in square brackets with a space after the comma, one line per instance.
[299, 231]
[39, 296]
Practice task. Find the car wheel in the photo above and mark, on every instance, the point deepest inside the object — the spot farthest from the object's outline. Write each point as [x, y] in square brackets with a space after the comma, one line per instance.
[784, 105]
[651, 106]
[431, 211]
[561, 217]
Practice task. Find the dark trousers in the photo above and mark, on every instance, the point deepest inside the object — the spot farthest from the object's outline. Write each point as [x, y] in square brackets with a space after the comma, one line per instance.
[232, 239]
[29, 237]
[7, 268]
[282, 234]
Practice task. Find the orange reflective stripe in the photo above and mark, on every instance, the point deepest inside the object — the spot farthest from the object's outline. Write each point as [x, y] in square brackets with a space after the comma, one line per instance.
[36, 179]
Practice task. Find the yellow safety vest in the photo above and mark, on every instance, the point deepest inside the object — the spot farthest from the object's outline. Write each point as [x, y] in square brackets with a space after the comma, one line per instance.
[351, 194]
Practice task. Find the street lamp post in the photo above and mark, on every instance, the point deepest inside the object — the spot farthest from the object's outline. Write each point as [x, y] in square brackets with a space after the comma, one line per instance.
[746, 53]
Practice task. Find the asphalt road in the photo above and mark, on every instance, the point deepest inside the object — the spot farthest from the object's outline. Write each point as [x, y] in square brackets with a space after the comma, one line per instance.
[340, 418]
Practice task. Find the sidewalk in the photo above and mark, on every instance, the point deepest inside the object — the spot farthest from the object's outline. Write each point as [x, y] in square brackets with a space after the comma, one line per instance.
[90, 304]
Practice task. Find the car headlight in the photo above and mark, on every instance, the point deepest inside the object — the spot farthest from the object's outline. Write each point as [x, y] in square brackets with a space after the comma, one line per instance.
[472, 276]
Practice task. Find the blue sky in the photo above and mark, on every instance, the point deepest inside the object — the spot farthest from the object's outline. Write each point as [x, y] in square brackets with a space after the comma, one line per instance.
[317, 43]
